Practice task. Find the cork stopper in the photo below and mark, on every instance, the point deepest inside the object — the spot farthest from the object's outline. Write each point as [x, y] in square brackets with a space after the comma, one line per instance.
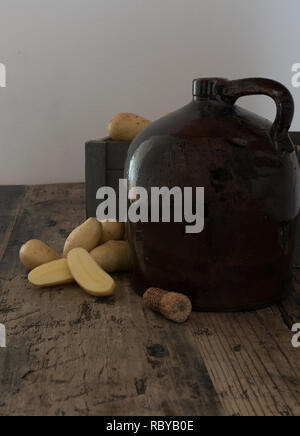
[152, 298]
[172, 305]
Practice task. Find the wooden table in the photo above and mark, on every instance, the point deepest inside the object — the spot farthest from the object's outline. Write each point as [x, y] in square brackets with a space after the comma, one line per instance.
[71, 354]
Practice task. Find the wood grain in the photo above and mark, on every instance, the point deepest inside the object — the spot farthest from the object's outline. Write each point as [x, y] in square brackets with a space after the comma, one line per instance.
[71, 354]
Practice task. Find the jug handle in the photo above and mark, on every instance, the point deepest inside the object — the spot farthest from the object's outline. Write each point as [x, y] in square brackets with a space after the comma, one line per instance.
[232, 90]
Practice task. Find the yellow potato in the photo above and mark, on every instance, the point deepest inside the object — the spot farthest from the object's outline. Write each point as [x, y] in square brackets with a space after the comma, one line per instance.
[126, 126]
[87, 236]
[51, 274]
[113, 256]
[35, 253]
[112, 231]
[89, 276]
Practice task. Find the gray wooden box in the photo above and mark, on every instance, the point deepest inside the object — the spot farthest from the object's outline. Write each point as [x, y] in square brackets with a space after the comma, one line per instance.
[104, 166]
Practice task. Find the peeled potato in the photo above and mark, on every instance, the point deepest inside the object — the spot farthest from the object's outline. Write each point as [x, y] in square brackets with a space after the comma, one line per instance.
[89, 276]
[126, 126]
[51, 274]
[87, 236]
[113, 256]
[112, 231]
[35, 253]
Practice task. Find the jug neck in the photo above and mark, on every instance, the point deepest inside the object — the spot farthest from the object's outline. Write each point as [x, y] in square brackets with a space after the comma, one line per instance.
[207, 88]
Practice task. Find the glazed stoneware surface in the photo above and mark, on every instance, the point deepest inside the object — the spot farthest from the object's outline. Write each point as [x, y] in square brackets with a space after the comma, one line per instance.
[243, 258]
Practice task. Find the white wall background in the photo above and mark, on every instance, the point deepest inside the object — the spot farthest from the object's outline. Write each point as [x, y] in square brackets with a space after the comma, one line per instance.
[73, 64]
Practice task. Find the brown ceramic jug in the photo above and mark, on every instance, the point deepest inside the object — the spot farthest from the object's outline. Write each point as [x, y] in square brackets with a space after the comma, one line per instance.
[243, 258]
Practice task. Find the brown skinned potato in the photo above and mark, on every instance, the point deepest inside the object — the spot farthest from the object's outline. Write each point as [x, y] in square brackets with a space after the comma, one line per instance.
[112, 231]
[87, 236]
[126, 126]
[35, 253]
[113, 256]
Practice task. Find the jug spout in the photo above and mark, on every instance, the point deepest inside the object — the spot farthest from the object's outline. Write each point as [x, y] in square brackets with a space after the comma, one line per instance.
[208, 87]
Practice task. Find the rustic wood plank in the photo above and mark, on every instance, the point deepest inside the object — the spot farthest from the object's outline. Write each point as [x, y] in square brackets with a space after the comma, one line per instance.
[290, 307]
[251, 361]
[70, 354]
[11, 199]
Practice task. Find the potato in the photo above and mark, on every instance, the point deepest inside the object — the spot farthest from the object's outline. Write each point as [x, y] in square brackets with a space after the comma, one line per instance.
[125, 126]
[87, 236]
[88, 275]
[35, 253]
[112, 231]
[113, 256]
[51, 274]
